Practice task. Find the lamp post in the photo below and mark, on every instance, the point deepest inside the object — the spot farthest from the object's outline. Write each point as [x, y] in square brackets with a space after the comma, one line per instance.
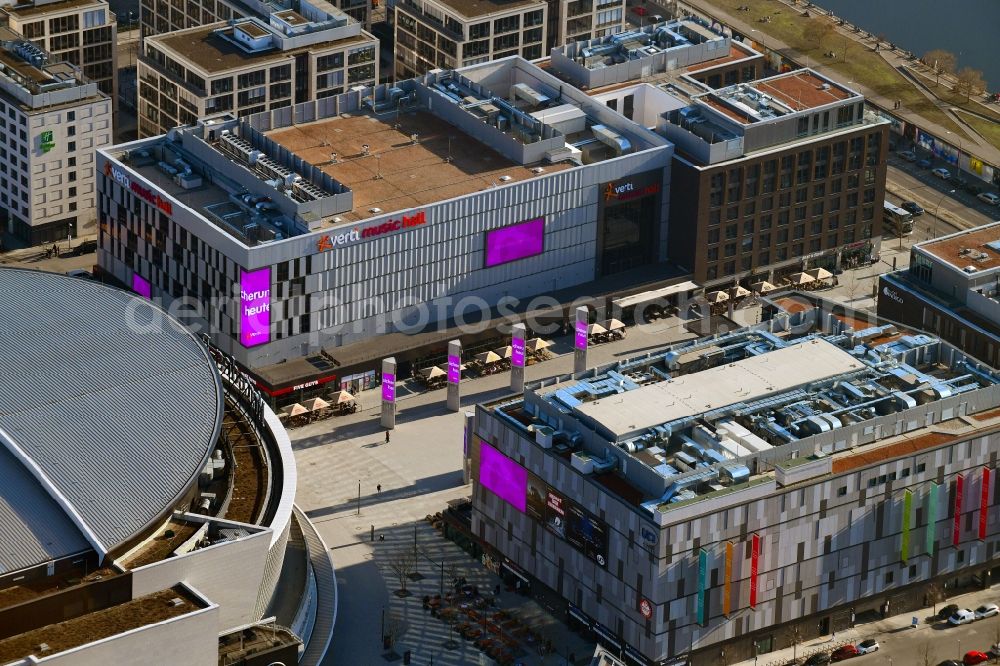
[936, 209]
[958, 158]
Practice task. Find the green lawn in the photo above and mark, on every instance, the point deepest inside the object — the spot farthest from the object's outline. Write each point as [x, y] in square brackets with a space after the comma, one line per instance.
[856, 64]
[945, 93]
[990, 130]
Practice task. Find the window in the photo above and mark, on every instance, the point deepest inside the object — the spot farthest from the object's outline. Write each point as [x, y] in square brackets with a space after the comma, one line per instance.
[506, 24]
[888, 577]
[921, 467]
[841, 491]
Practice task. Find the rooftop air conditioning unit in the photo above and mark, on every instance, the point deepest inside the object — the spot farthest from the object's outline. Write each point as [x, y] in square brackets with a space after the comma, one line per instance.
[375, 210]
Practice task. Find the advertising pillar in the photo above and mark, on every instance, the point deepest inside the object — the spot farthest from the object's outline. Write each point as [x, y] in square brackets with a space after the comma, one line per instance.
[389, 393]
[454, 375]
[580, 340]
[518, 335]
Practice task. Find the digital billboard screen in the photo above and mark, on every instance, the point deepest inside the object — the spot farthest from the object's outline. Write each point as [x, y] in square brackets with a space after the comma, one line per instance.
[454, 369]
[503, 476]
[517, 241]
[517, 352]
[255, 307]
[140, 286]
[388, 387]
[589, 535]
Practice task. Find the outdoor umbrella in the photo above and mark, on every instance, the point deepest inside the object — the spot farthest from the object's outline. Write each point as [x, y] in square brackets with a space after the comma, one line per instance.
[315, 404]
[716, 296]
[296, 410]
[504, 352]
[800, 278]
[537, 344]
[594, 329]
[739, 291]
[343, 397]
[433, 373]
[487, 357]
[762, 287]
[614, 324]
[820, 274]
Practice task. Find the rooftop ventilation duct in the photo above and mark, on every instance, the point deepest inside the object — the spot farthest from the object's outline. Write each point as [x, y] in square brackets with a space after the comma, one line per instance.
[609, 137]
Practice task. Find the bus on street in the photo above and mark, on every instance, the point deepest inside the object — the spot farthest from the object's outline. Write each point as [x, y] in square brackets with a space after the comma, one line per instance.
[896, 221]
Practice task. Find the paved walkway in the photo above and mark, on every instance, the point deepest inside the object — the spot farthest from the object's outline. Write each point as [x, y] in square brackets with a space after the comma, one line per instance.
[890, 632]
[971, 143]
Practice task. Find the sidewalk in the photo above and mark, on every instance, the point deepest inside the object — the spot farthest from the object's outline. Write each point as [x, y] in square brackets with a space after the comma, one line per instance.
[894, 630]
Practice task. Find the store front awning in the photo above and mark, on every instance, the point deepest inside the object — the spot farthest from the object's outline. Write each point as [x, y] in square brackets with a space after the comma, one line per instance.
[655, 294]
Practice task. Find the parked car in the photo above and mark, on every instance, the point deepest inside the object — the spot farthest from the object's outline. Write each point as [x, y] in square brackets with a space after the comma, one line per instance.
[639, 11]
[989, 197]
[867, 646]
[994, 650]
[912, 207]
[844, 652]
[818, 659]
[963, 616]
[80, 273]
[86, 247]
[949, 662]
[973, 657]
[987, 610]
[947, 611]
[908, 155]
[941, 173]
[924, 163]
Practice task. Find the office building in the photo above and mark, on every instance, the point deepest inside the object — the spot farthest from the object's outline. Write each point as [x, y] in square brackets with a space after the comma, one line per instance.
[51, 121]
[780, 174]
[159, 17]
[951, 289]
[578, 20]
[344, 218]
[721, 496]
[81, 32]
[146, 493]
[449, 34]
[251, 65]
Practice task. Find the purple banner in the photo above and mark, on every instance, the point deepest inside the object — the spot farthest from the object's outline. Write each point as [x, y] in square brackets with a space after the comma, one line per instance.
[507, 479]
[255, 307]
[581, 335]
[454, 369]
[388, 387]
[517, 241]
[140, 286]
[517, 352]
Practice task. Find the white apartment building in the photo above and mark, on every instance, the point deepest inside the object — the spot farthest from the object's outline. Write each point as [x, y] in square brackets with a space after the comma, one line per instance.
[52, 120]
[449, 34]
[247, 66]
[580, 20]
[81, 32]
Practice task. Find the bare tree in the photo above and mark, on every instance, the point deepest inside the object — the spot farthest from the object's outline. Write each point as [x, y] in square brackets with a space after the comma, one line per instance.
[935, 595]
[402, 564]
[818, 30]
[795, 639]
[970, 82]
[941, 61]
[849, 281]
[927, 655]
[395, 626]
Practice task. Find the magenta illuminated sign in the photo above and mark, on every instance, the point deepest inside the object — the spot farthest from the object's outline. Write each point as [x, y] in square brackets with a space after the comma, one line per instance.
[140, 286]
[503, 476]
[388, 387]
[580, 341]
[517, 241]
[454, 369]
[517, 352]
[255, 307]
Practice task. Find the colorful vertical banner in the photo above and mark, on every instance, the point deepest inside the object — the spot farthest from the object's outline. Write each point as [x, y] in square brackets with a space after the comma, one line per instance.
[956, 531]
[727, 598]
[984, 503]
[907, 504]
[454, 368]
[702, 584]
[580, 341]
[932, 513]
[255, 307]
[754, 568]
[517, 352]
[388, 387]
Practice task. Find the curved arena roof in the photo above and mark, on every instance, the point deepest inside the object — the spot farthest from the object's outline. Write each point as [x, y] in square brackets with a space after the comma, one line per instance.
[109, 410]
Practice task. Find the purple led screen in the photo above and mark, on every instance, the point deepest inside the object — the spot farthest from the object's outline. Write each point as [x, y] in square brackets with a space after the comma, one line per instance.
[507, 479]
[517, 352]
[454, 369]
[518, 241]
[255, 307]
[581, 335]
[388, 387]
[140, 286]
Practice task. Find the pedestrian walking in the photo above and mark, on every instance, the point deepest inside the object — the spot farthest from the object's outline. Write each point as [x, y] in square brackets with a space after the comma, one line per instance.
[378, 488]
[386, 436]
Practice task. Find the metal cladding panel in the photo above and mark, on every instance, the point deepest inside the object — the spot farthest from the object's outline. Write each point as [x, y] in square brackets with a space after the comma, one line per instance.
[115, 404]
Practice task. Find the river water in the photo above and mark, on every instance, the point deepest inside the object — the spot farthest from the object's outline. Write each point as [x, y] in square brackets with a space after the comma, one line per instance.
[967, 28]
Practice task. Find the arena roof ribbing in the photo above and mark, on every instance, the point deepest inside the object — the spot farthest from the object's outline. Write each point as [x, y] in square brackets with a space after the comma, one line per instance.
[109, 410]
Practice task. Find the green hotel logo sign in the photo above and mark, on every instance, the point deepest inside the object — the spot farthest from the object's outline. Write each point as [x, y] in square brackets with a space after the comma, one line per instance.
[47, 141]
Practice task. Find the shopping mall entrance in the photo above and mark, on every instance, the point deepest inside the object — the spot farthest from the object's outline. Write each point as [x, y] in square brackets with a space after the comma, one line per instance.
[628, 223]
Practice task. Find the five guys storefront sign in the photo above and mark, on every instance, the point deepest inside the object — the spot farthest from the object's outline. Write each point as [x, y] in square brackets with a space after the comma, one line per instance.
[140, 191]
